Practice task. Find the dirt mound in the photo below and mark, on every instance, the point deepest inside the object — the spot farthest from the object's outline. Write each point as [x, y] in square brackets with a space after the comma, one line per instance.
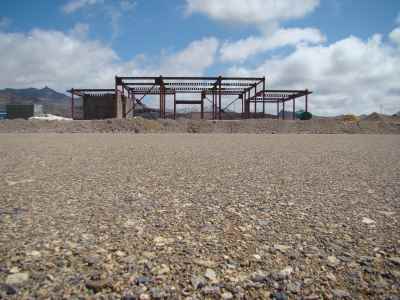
[141, 125]
[374, 117]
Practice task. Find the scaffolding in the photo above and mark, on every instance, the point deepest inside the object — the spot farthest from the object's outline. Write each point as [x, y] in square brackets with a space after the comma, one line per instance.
[250, 91]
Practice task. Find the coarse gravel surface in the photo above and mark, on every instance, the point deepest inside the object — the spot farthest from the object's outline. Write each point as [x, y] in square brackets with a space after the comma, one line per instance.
[180, 216]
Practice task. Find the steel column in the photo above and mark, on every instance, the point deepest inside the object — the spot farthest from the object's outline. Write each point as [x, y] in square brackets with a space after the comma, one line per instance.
[294, 109]
[277, 109]
[175, 106]
[283, 114]
[255, 101]
[220, 99]
[306, 100]
[72, 104]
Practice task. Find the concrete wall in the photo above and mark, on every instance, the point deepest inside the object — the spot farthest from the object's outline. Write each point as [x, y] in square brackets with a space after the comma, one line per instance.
[99, 107]
[105, 107]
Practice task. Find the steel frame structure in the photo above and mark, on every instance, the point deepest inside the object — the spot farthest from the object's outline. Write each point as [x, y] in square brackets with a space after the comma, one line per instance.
[248, 90]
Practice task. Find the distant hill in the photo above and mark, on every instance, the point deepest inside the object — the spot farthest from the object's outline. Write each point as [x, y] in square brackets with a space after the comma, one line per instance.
[53, 102]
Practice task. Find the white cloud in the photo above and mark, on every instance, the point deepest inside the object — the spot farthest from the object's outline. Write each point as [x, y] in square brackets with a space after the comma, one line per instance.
[128, 4]
[4, 22]
[193, 60]
[395, 36]
[251, 11]
[242, 49]
[350, 75]
[75, 5]
[80, 31]
[62, 61]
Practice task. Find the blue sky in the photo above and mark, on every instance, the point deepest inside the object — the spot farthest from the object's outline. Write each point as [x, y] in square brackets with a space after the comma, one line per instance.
[330, 46]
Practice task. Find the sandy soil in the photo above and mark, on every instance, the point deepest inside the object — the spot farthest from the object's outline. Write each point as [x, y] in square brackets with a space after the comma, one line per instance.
[199, 216]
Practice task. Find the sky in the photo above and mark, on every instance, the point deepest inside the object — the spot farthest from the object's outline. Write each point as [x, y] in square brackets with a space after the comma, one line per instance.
[346, 51]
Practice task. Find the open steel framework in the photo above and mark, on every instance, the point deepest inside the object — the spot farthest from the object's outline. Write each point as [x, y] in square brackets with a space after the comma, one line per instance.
[247, 90]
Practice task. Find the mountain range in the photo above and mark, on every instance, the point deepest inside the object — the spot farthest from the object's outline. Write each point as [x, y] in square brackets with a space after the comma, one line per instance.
[53, 102]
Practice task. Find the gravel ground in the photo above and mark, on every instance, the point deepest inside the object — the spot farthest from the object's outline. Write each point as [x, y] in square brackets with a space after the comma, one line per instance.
[199, 216]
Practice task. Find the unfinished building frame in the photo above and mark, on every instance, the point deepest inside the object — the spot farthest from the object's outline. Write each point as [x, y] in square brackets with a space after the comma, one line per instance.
[250, 91]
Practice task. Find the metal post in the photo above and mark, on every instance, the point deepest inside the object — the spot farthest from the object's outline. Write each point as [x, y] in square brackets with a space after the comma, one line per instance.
[294, 108]
[220, 98]
[72, 104]
[306, 100]
[175, 105]
[283, 114]
[264, 98]
[248, 105]
[213, 106]
[202, 107]
[255, 101]
[277, 109]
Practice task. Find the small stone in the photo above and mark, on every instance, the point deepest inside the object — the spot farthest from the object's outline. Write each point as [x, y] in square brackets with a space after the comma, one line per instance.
[14, 270]
[367, 221]
[8, 289]
[395, 260]
[120, 253]
[34, 253]
[211, 290]
[142, 280]
[341, 294]
[282, 248]
[97, 285]
[285, 273]
[227, 296]
[198, 282]
[294, 287]
[161, 270]
[144, 296]
[259, 277]
[279, 296]
[157, 293]
[257, 257]
[161, 241]
[332, 261]
[17, 278]
[210, 274]
[330, 276]
[204, 263]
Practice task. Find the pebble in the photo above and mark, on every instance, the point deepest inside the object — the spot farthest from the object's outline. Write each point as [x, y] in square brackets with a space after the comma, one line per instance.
[210, 275]
[341, 294]
[259, 276]
[227, 296]
[332, 261]
[144, 296]
[279, 296]
[9, 289]
[161, 270]
[97, 285]
[395, 260]
[204, 263]
[285, 273]
[157, 293]
[142, 280]
[211, 290]
[367, 221]
[330, 276]
[198, 282]
[17, 278]
[282, 248]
